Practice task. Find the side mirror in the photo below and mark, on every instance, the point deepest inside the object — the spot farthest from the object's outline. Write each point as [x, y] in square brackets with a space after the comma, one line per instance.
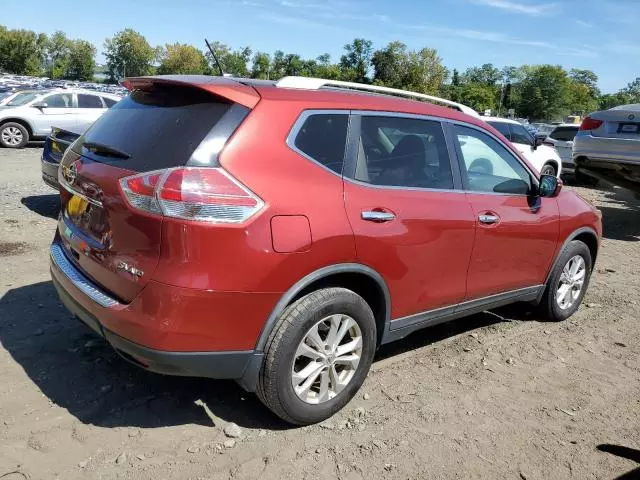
[550, 186]
[40, 105]
[537, 141]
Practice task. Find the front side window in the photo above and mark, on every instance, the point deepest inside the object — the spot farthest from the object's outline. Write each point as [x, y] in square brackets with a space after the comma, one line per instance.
[59, 100]
[23, 98]
[503, 128]
[489, 166]
[403, 152]
[89, 101]
[519, 134]
[323, 138]
[564, 134]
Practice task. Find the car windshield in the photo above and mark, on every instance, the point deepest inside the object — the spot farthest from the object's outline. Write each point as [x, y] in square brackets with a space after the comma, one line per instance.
[23, 98]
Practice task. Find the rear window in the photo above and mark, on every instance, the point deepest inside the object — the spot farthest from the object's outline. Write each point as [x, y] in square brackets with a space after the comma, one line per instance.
[153, 129]
[89, 101]
[503, 128]
[564, 134]
[323, 137]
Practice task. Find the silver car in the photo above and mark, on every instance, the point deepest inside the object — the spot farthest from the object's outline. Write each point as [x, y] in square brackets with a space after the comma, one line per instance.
[607, 146]
[561, 138]
[30, 115]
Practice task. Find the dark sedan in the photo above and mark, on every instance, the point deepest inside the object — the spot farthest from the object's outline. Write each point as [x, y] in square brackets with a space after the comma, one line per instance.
[54, 148]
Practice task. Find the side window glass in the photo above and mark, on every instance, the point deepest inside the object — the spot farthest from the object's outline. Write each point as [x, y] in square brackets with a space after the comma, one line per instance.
[564, 134]
[59, 100]
[108, 102]
[520, 135]
[323, 137]
[503, 128]
[489, 166]
[89, 101]
[403, 152]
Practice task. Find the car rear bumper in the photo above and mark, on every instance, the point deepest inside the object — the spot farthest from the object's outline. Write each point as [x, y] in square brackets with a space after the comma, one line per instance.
[50, 173]
[603, 149]
[138, 331]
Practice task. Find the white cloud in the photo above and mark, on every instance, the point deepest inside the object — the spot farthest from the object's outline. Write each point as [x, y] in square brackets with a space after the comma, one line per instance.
[520, 7]
[582, 23]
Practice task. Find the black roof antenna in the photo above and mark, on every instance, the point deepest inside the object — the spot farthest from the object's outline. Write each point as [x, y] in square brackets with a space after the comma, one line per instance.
[214, 57]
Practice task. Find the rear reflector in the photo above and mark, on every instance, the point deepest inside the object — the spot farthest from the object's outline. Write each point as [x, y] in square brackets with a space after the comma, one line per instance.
[201, 194]
[590, 124]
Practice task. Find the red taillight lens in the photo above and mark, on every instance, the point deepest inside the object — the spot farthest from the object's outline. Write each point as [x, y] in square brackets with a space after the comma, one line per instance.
[590, 124]
[203, 194]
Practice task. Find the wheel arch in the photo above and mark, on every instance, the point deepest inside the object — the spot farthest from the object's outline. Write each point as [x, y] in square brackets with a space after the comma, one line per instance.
[589, 237]
[359, 278]
[553, 162]
[21, 121]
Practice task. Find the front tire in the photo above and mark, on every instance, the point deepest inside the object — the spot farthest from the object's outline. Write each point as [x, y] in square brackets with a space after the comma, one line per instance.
[568, 282]
[317, 356]
[13, 135]
[548, 169]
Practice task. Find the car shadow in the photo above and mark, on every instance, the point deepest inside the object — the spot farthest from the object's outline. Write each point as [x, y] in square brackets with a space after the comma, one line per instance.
[620, 215]
[623, 452]
[80, 372]
[44, 205]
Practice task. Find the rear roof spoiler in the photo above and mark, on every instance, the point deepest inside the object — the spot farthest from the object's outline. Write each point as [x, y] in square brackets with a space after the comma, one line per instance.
[224, 87]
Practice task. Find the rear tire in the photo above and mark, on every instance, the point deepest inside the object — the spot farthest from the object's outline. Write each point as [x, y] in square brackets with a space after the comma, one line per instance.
[310, 321]
[573, 269]
[13, 135]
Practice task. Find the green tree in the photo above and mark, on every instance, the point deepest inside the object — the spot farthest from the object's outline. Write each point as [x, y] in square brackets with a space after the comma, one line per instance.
[22, 51]
[611, 100]
[180, 58]
[260, 66]
[478, 96]
[544, 93]
[356, 61]
[128, 54]
[487, 74]
[326, 69]
[81, 64]
[58, 53]
[234, 62]
[422, 71]
[633, 91]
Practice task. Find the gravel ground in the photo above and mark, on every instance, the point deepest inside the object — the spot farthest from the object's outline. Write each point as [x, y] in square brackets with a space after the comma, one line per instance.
[497, 395]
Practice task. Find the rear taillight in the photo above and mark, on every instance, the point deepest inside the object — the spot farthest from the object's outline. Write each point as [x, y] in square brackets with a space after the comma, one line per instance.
[590, 124]
[201, 194]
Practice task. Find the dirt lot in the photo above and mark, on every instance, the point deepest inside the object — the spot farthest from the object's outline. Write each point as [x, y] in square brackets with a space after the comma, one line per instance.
[497, 395]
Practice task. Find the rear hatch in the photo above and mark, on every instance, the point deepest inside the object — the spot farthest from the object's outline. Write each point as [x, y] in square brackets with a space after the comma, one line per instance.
[160, 125]
[618, 122]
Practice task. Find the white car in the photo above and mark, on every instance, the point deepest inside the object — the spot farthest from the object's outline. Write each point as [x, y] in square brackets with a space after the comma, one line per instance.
[561, 138]
[544, 158]
[31, 115]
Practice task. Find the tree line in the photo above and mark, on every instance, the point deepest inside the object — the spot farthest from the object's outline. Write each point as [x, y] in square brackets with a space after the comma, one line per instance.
[537, 92]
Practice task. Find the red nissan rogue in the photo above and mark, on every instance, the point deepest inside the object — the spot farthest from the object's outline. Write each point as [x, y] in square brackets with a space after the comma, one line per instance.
[277, 233]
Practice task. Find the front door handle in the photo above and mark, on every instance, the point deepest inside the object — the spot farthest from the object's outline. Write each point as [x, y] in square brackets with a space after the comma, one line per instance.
[377, 216]
[488, 219]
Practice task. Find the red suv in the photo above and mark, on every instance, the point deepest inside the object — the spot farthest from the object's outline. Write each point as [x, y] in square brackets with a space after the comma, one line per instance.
[279, 233]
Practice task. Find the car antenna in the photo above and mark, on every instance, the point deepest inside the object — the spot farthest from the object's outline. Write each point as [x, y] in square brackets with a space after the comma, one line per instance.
[214, 57]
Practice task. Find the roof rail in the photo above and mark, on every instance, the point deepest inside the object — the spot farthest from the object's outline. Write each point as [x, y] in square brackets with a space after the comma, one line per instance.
[310, 83]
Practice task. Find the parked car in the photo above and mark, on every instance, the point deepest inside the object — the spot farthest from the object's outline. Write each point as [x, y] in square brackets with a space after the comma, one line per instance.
[31, 115]
[607, 146]
[54, 147]
[544, 158]
[277, 233]
[561, 138]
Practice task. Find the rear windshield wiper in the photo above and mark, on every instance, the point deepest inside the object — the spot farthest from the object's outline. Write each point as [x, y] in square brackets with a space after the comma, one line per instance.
[105, 151]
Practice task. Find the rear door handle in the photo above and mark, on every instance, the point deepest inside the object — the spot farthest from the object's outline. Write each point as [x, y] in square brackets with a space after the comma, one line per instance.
[488, 219]
[376, 216]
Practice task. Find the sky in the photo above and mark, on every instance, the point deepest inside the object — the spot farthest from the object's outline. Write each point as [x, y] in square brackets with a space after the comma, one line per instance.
[600, 35]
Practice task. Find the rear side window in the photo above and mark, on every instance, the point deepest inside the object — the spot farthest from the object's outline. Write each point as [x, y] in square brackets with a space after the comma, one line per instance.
[503, 128]
[403, 152]
[109, 102]
[519, 134]
[153, 129]
[564, 134]
[323, 137]
[89, 101]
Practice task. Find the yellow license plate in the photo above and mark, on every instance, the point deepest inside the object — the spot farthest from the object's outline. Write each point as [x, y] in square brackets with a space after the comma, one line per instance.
[77, 206]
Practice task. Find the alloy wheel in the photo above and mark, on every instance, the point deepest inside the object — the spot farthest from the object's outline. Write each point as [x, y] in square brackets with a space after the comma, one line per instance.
[571, 282]
[12, 136]
[326, 359]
